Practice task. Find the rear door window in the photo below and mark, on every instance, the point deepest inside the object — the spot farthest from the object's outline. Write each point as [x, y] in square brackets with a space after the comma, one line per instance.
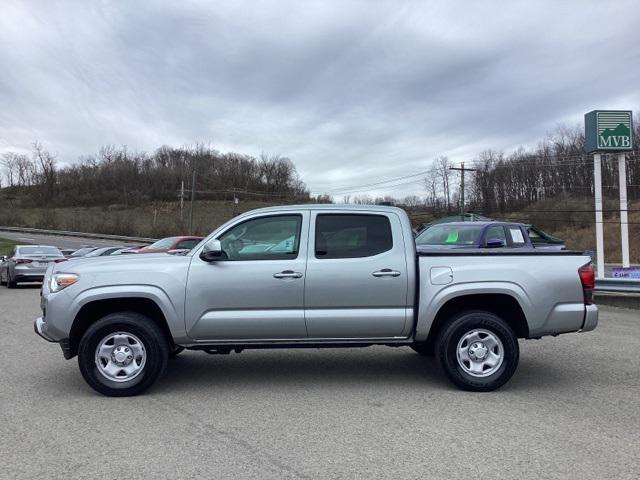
[352, 236]
[496, 232]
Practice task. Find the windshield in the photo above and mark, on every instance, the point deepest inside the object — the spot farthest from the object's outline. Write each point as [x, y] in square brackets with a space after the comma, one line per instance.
[163, 243]
[102, 251]
[39, 251]
[450, 235]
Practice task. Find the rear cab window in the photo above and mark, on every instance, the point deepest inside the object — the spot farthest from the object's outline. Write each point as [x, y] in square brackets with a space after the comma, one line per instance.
[352, 235]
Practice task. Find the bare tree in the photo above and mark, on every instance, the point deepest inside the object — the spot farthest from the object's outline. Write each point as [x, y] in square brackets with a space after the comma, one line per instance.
[8, 163]
[443, 166]
[46, 170]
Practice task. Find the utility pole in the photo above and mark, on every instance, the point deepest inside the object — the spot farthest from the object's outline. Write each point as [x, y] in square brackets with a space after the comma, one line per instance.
[235, 204]
[462, 171]
[193, 194]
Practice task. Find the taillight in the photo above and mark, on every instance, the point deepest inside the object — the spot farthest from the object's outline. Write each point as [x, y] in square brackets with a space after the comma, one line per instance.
[588, 280]
[22, 260]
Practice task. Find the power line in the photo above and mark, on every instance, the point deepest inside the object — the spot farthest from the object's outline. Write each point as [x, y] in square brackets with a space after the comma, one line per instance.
[349, 189]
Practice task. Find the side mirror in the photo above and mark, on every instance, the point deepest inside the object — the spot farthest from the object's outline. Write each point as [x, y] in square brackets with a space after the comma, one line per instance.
[3, 258]
[495, 243]
[212, 251]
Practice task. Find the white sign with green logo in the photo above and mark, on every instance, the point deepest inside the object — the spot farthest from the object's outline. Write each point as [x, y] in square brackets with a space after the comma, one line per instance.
[608, 131]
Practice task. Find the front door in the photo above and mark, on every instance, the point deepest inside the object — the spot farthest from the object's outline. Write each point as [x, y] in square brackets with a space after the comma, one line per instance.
[256, 291]
[357, 282]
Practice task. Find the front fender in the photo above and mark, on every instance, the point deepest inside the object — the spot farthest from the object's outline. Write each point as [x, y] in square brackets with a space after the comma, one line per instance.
[171, 312]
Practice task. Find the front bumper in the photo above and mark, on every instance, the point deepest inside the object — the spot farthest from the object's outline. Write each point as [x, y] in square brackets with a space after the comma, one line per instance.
[38, 326]
[590, 318]
[28, 277]
[65, 344]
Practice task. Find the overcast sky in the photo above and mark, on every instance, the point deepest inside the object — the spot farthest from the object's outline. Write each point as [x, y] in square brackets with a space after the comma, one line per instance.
[352, 92]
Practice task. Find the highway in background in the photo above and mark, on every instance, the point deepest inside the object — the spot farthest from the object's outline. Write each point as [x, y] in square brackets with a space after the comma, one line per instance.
[62, 241]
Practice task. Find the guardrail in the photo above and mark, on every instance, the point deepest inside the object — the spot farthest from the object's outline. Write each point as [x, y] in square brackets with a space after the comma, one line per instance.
[64, 233]
[622, 285]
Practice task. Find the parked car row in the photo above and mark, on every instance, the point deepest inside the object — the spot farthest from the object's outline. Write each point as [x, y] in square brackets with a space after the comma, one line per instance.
[28, 263]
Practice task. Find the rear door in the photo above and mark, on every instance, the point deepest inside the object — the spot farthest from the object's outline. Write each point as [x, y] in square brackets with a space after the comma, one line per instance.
[357, 282]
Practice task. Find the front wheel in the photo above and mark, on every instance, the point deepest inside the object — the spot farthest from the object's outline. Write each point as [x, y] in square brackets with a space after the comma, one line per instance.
[122, 354]
[478, 351]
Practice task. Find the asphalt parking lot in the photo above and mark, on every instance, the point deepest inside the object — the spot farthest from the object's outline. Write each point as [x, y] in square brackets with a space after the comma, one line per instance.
[571, 411]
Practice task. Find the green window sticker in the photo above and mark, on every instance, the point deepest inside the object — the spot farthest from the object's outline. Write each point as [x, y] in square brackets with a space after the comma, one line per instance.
[452, 237]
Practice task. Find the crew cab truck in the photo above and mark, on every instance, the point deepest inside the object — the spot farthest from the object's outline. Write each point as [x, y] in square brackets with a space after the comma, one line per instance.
[313, 276]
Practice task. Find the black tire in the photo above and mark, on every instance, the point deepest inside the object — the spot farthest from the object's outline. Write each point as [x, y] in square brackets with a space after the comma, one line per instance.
[177, 350]
[2, 282]
[423, 349]
[153, 339]
[456, 330]
[11, 283]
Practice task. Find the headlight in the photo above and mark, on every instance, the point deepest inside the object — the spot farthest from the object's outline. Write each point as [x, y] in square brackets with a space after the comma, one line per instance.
[62, 280]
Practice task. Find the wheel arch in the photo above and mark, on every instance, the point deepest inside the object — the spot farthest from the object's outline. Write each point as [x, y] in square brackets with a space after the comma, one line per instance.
[503, 305]
[94, 310]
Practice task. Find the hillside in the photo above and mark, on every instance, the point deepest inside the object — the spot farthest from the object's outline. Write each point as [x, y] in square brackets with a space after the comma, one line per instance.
[157, 219]
[567, 218]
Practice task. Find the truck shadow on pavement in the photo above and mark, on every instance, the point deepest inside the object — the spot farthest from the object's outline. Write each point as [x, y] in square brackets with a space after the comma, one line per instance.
[328, 368]
[301, 368]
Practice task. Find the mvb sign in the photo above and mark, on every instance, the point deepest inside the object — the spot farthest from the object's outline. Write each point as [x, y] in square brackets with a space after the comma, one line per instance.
[608, 131]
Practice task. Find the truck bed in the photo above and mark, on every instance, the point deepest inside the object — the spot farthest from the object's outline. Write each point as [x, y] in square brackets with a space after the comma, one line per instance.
[545, 284]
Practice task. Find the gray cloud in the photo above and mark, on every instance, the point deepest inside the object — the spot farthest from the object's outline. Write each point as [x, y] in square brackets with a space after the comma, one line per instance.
[353, 92]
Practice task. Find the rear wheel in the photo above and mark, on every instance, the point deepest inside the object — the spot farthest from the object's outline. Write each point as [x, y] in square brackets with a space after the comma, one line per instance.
[478, 351]
[11, 283]
[123, 354]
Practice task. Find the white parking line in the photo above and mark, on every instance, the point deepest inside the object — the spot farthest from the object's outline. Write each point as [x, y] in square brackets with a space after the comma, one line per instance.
[26, 239]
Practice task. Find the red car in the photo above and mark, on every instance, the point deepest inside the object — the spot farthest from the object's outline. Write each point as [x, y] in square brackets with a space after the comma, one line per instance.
[171, 243]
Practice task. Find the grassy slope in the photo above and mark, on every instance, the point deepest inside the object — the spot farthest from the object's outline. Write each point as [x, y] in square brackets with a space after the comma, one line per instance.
[6, 245]
[157, 219]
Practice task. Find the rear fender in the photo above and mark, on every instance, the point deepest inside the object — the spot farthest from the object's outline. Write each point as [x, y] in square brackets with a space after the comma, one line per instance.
[431, 302]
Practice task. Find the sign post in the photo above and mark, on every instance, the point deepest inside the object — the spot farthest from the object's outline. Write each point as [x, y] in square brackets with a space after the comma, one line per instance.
[597, 187]
[609, 131]
[624, 219]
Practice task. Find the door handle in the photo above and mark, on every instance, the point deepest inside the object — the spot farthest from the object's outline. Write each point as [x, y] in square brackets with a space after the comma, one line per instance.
[386, 272]
[287, 274]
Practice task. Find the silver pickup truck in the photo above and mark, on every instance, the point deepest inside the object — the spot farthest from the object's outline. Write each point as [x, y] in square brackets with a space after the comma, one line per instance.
[313, 276]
